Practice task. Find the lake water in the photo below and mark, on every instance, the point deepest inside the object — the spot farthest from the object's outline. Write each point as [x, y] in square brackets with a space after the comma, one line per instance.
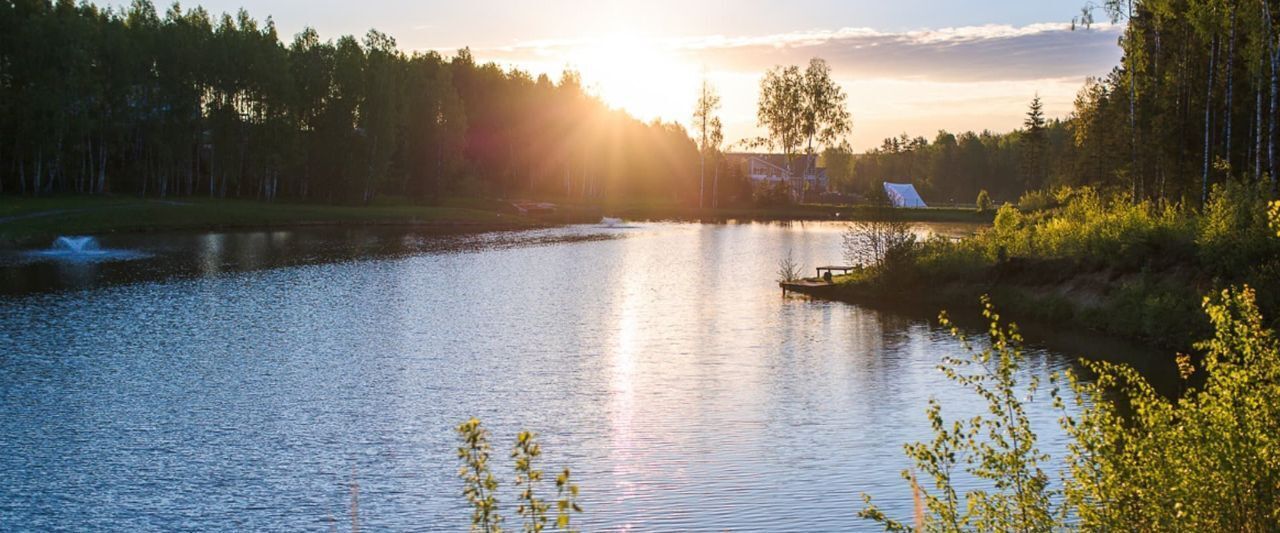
[255, 381]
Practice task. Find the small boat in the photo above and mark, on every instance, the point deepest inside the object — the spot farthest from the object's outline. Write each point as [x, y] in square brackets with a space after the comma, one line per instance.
[610, 221]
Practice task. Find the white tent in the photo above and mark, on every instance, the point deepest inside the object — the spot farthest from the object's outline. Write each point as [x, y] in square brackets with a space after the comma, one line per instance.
[903, 195]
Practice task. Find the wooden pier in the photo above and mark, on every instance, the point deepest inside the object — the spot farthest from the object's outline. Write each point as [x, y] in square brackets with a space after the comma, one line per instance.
[816, 285]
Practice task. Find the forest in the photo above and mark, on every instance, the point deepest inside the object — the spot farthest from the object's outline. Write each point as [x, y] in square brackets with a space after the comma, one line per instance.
[188, 103]
[1193, 102]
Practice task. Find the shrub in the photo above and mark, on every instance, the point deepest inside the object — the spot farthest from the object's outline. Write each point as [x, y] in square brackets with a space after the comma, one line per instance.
[1037, 201]
[876, 242]
[1136, 460]
[984, 201]
[1207, 461]
[1000, 448]
[788, 269]
[1234, 233]
[480, 486]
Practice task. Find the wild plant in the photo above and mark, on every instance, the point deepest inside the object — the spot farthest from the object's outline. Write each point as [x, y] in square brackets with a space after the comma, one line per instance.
[480, 486]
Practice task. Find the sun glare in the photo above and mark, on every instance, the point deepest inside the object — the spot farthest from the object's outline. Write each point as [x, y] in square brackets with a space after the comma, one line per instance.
[635, 73]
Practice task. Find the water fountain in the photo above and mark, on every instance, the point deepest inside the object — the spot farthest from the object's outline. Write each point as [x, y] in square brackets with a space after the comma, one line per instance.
[82, 248]
[76, 245]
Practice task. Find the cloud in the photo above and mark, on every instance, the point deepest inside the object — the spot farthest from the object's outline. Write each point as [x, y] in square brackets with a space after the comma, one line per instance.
[976, 77]
[975, 53]
[963, 54]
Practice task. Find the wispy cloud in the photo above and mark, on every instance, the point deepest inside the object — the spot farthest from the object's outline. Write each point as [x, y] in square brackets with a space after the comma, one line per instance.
[991, 52]
[974, 77]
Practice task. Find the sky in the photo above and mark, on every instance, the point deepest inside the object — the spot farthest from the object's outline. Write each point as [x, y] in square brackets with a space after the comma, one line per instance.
[910, 66]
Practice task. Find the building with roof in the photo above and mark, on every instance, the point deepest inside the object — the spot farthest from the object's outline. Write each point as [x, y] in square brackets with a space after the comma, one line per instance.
[768, 170]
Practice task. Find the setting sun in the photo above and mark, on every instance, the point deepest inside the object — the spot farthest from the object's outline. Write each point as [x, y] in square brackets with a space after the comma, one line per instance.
[635, 73]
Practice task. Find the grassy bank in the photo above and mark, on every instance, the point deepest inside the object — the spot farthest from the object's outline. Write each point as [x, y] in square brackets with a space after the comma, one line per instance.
[639, 210]
[33, 221]
[1109, 264]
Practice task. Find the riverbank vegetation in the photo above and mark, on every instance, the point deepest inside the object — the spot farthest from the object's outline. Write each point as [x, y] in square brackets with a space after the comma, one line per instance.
[1136, 460]
[35, 220]
[1129, 267]
[26, 221]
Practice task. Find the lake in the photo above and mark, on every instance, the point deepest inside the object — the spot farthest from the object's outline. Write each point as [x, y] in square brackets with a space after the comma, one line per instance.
[258, 380]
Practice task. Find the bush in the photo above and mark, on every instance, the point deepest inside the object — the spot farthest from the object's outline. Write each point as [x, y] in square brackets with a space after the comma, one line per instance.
[1089, 229]
[776, 195]
[788, 268]
[984, 201]
[874, 243]
[1207, 461]
[1233, 233]
[1136, 460]
[1000, 448]
[1037, 201]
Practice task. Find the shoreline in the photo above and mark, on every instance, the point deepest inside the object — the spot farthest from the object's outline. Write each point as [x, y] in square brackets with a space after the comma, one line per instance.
[1086, 301]
[34, 221]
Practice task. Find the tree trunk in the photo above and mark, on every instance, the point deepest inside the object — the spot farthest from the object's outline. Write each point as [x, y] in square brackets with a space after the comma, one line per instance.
[1230, 65]
[1275, 93]
[715, 187]
[702, 176]
[1257, 131]
[1208, 124]
[101, 185]
[35, 180]
[1133, 110]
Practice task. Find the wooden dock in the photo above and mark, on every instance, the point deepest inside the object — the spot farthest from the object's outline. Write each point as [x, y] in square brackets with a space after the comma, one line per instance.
[818, 285]
[805, 286]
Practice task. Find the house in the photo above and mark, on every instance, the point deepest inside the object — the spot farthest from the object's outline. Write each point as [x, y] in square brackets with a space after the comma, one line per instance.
[767, 170]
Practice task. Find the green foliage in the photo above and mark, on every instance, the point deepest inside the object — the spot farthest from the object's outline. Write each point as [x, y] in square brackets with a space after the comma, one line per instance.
[566, 500]
[799, 108]
[1037, 200]
[96, 100]
[775, 195]
[999, 448]
[879, 243]
[532, 509]
[1234, 232]
[1136, 460]
[984, 201]
[480, 486]
[1274, 215]
[1206, 461]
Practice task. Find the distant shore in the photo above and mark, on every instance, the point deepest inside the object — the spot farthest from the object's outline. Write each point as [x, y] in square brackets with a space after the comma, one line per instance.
[26, 221]
[33, 221]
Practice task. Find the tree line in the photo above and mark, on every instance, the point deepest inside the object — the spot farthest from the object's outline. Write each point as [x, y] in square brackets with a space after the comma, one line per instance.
[185, 103]
[1194, 102]
[956, 168]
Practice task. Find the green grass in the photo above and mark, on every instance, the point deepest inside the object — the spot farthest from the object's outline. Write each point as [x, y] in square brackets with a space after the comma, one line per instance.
[25, 220]
[1131, 269]
[667, 210]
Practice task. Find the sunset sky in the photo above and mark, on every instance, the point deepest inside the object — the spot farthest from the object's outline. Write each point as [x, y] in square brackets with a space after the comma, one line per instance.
[908, 66]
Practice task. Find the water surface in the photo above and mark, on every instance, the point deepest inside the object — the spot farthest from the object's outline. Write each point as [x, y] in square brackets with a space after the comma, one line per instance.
[255, 381]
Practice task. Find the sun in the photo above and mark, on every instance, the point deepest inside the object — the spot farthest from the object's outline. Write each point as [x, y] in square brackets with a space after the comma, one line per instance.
[636, 73]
